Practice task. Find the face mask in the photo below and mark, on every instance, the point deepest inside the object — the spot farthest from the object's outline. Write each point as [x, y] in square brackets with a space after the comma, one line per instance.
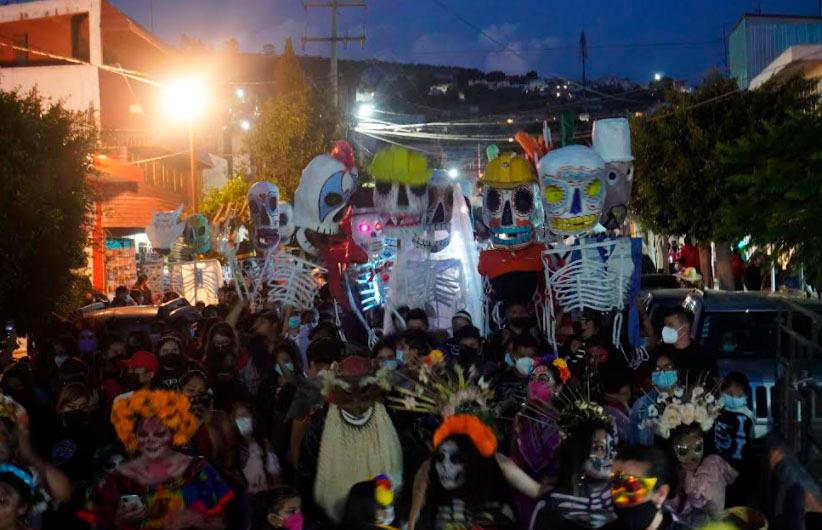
[294, 322]
[388, 516]
[525, 365]
[294, 521]
[289, 368]
[245, 425]
[637, 517]
[390, 364]
[733, 402]
[509, 361]
[728, 348]
[400, 356]
[669, 335]
[521, 322]
[468, 354]
[76, 420]
[171, 361]
[87, 345]
[664, 379]
[60, 359]
[539, 391]
[201, 400]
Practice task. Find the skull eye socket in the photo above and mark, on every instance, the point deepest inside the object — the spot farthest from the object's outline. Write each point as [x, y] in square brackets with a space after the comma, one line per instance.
[612, 177]
[419, 191]
[594, 189]
[432, 196]
[449, 197]
[253, 206]
[383, 188]
[333, 199]
[272, 203]
[492, 200]
[201, 231]
[283, 219]
[524, 201]
[554, 194]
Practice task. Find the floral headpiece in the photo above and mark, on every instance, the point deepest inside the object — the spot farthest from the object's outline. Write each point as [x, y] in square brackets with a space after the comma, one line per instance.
[384, 492]
[170, 407]
[683, 407]
[481, 435]
[577, 410]
[441, 392]
[350, 374]
[26, 478]
[562, 367]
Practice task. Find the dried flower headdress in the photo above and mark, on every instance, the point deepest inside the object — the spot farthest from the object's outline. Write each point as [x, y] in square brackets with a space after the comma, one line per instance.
[683, 407]
[576, 409]
[171, 408]
[441, 392]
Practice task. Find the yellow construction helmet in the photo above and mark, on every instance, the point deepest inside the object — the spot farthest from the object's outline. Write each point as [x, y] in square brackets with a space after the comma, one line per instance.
[397, 164]
[508, 171]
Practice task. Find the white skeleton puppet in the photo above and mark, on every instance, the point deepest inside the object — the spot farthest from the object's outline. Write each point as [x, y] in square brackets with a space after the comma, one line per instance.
[439, 271]
[322, 197]
[165, 229]
[612, 141]
[581, 271]
[278, 276]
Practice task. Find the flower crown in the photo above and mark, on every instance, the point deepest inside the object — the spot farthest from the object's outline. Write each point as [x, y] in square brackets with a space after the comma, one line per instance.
[384, 492]
[562, 366]
[481, 435]
[171, 408]
[577, 409]
[672, 410]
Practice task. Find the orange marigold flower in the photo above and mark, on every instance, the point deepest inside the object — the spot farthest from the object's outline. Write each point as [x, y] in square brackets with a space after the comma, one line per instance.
[480, 434]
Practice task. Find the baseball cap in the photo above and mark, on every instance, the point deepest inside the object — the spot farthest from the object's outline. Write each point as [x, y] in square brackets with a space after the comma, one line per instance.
[462, 313]
[142, 359]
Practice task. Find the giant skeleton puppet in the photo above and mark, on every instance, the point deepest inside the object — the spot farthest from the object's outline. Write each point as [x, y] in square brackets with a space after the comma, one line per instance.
[582, 270]
[354, 440]
[513, 213]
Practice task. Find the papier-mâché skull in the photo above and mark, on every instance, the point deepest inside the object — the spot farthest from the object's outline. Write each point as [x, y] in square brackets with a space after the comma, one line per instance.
[436, 222]
[326, 185]
[612, 142]
[366, 230]
[511, 206]
[198, 233]
[573, 189]
[450, 465]
[264, 204]
[400, 190]
[165, 229]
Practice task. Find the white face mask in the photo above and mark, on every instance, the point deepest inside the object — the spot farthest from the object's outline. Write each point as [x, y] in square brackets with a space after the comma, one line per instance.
[60, 359]
[449, 465]
[386, 515]
[245, 425]
[670, 335]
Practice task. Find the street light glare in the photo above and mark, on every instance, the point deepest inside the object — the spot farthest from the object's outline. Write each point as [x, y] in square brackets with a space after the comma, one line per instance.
[657, 76]
[185, 99]
[365, 111]
[245, 125]
[453, 173]
[240, 93]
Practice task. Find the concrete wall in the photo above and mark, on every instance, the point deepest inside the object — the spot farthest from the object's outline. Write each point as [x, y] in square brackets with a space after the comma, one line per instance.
[77, 86]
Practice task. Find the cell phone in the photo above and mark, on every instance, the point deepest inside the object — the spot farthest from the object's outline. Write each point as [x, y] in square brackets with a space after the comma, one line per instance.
[131, 502]
[9, 326]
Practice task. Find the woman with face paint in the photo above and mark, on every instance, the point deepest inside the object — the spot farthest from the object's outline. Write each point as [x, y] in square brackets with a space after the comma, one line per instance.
[582, 497]
[536, 434]
[159, 487]
[703, 479]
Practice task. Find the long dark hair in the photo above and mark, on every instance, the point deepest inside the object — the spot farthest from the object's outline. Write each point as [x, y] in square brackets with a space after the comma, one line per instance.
[575, 452]
[361, 505]
[213, 356]
[267, 502]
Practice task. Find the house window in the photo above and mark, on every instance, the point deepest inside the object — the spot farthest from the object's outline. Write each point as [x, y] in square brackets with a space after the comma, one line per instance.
[80, 37]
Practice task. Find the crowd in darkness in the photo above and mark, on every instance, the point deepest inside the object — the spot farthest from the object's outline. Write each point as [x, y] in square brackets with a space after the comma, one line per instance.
[217, 423]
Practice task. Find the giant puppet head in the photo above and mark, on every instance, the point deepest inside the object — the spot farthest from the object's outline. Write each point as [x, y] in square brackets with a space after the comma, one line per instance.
[321, 198]
[400, 193]
[165, 229]
[612, 142]
[197, 233]
[573, 190]
[272, 220]
[436, 222]
[511, 206]
[366, 226]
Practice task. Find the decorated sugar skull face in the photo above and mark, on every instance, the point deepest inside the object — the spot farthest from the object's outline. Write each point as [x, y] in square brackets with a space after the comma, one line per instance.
[436, 222]
[366, 230]
[263, 202]
[164, 229]
[573, 190]
[153, 438]
[612, 142]
[512, 214]
[450, 465]
[321, 199]
[601, 458]
[400, 193]
[198, 233]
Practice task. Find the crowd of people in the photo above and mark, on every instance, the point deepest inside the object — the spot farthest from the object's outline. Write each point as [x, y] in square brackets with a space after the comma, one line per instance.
[270, 419]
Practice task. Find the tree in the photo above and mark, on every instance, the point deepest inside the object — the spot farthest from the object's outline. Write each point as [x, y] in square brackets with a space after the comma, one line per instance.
[680, 187]
[45, 203]
[775, 170]
[295, 125]
[232, 195]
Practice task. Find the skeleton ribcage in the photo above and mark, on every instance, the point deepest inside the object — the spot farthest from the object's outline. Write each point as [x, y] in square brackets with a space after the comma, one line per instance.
[290, 280]
[434, 285]
[197, 281]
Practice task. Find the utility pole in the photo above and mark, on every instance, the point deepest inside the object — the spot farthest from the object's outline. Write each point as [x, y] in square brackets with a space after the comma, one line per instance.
[334, 5]
[583, 52]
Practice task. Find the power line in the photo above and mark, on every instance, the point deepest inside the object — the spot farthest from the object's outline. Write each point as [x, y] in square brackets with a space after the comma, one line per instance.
[569, 47]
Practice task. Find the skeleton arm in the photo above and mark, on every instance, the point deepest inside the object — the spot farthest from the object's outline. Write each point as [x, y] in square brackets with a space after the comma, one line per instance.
[418, 493]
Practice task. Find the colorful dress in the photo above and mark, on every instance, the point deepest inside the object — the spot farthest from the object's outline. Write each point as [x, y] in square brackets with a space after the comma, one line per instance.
[199, 488]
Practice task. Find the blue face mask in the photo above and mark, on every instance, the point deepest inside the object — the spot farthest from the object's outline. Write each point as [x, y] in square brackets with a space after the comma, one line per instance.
[289, 367]
[400, 356]
[390, 364]
[509, 361]
[728, 348]
[664, 379]
[734, 402]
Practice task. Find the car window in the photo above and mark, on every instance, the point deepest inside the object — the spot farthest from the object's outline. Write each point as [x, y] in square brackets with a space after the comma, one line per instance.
[740, 335]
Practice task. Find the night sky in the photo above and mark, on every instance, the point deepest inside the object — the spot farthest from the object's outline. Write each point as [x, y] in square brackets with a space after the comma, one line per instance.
[633, 39]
